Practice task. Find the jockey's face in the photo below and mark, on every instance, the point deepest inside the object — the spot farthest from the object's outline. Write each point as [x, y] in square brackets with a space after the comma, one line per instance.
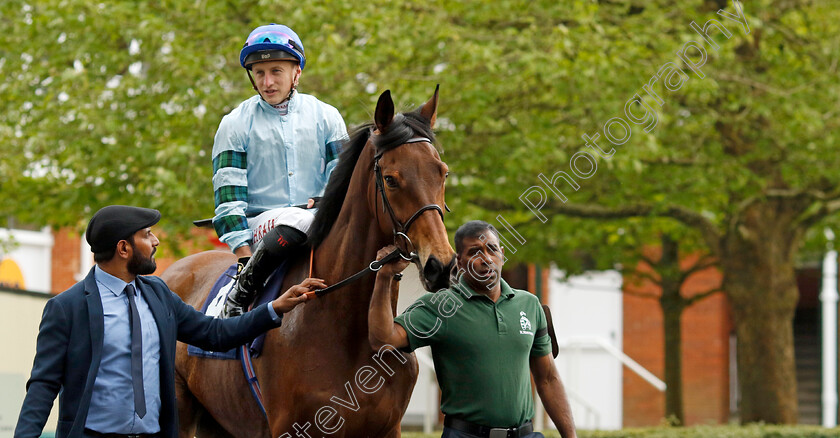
[275, 79]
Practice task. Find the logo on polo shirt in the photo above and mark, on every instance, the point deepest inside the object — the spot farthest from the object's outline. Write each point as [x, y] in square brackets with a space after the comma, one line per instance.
[525, 324]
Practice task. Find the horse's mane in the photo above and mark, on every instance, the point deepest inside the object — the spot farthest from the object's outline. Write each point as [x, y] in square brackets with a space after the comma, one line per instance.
[404, 127]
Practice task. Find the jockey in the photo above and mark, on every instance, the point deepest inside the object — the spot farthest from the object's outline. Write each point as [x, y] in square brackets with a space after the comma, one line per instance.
[272, 152]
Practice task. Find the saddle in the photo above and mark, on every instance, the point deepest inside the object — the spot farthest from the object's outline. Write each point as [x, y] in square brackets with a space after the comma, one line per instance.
[216, 298]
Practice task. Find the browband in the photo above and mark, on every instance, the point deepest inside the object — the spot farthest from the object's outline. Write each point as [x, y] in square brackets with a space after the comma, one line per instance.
[409, 141]
[418, 140]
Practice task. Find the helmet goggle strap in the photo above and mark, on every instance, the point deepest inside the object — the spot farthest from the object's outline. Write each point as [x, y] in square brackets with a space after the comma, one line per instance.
[251, 78]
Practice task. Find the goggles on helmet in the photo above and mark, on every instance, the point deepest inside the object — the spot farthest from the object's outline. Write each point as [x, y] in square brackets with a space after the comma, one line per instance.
[267, 43]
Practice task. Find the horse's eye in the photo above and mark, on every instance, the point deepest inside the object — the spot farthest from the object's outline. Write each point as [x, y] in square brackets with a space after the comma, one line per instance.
[391, 181]
[446, 176]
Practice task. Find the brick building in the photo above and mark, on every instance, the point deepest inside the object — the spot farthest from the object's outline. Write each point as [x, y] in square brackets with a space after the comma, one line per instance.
[706, 329]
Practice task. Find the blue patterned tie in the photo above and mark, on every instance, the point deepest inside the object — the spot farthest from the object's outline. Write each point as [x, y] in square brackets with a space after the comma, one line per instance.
[136, 354]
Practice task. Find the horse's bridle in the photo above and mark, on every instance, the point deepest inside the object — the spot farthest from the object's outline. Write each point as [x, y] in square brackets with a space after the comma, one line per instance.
[401, 229]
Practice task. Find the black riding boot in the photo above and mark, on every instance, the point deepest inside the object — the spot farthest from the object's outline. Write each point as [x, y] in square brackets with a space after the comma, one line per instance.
[275, 246]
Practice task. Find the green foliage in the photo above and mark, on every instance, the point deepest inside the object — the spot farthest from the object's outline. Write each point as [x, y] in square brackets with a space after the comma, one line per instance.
[719, 140]
[118, 102]
[751, 431]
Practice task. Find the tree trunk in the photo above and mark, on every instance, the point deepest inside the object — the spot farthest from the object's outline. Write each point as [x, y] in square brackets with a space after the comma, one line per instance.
[672, 304]
[759, 279]
[674, 411]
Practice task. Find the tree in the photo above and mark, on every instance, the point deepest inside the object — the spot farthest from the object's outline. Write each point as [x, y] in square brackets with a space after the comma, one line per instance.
[741, 152]
[667, 273]
[653, 252]
[117, 102]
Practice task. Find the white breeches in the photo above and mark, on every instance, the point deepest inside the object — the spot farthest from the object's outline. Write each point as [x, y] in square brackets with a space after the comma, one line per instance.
[294, 217]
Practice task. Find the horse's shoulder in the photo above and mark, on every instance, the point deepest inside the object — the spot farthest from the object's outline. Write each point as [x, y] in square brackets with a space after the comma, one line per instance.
[196, 270]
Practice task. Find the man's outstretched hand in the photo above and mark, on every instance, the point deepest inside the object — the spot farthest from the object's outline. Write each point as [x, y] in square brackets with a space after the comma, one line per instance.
[297, 294]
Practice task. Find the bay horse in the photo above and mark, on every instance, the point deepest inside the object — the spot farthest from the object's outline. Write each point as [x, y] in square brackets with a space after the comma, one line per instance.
[317, 372]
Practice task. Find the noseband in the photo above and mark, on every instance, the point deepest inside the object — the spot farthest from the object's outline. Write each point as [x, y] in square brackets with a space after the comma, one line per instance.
[399, 228]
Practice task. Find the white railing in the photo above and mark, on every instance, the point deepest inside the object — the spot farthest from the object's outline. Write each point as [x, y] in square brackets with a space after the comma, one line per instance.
[573, 346]
[578, 343]
[590, 412]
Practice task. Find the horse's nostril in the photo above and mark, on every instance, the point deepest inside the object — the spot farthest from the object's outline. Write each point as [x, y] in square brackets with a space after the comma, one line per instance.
[433, 268]
[436, 273]
[451, 265]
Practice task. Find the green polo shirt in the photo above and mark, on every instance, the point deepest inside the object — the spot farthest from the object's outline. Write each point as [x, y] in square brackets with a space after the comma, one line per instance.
[481, 350]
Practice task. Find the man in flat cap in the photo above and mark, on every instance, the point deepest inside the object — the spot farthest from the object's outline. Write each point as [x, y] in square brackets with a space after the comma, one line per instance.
[107, 344]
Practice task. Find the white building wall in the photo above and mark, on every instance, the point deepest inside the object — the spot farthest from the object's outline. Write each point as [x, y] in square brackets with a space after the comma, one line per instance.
[32, 252]
[20, 315]
[586, 308]
[425, 399]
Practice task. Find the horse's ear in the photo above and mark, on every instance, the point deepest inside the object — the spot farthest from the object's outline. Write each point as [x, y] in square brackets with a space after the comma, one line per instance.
[429, 109]
[384, 114]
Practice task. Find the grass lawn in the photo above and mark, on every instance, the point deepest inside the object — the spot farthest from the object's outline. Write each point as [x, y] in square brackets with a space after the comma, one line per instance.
[751, 431]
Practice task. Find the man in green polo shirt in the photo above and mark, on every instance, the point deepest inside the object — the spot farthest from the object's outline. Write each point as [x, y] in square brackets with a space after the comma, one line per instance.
[485, 338]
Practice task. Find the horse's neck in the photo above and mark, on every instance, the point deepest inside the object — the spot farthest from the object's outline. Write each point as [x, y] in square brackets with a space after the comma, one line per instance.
[354, 239]
[351, 246]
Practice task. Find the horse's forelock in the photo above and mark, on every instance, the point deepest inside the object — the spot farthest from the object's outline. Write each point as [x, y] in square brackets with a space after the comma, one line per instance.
[404, 127]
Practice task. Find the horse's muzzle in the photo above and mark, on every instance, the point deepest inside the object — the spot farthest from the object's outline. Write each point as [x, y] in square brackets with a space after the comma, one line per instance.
[436, 274]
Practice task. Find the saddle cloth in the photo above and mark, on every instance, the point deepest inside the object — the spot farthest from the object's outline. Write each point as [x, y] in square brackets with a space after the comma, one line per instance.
[216, 299]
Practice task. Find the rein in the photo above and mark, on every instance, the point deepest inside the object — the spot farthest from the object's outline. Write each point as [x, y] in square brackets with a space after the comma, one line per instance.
[372, 267]
[399, 229]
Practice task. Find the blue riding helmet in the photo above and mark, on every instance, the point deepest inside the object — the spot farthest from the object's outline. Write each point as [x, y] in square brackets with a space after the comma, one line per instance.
[272, 42]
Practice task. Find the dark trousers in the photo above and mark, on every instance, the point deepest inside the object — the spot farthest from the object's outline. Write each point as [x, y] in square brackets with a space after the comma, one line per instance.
[93, 434]
[449, 432]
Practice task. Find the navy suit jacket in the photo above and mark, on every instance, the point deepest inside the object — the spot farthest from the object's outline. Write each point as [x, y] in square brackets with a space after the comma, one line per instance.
[69, 350]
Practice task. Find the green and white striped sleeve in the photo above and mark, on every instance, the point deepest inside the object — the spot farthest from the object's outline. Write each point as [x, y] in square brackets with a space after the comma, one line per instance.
[230, 186]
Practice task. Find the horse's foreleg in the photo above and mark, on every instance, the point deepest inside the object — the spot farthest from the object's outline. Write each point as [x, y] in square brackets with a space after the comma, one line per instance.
[187, 408]
[208, 427]
[394, 433]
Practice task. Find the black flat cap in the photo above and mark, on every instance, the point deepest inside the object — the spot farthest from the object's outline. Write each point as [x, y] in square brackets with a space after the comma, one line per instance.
[117, 222]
